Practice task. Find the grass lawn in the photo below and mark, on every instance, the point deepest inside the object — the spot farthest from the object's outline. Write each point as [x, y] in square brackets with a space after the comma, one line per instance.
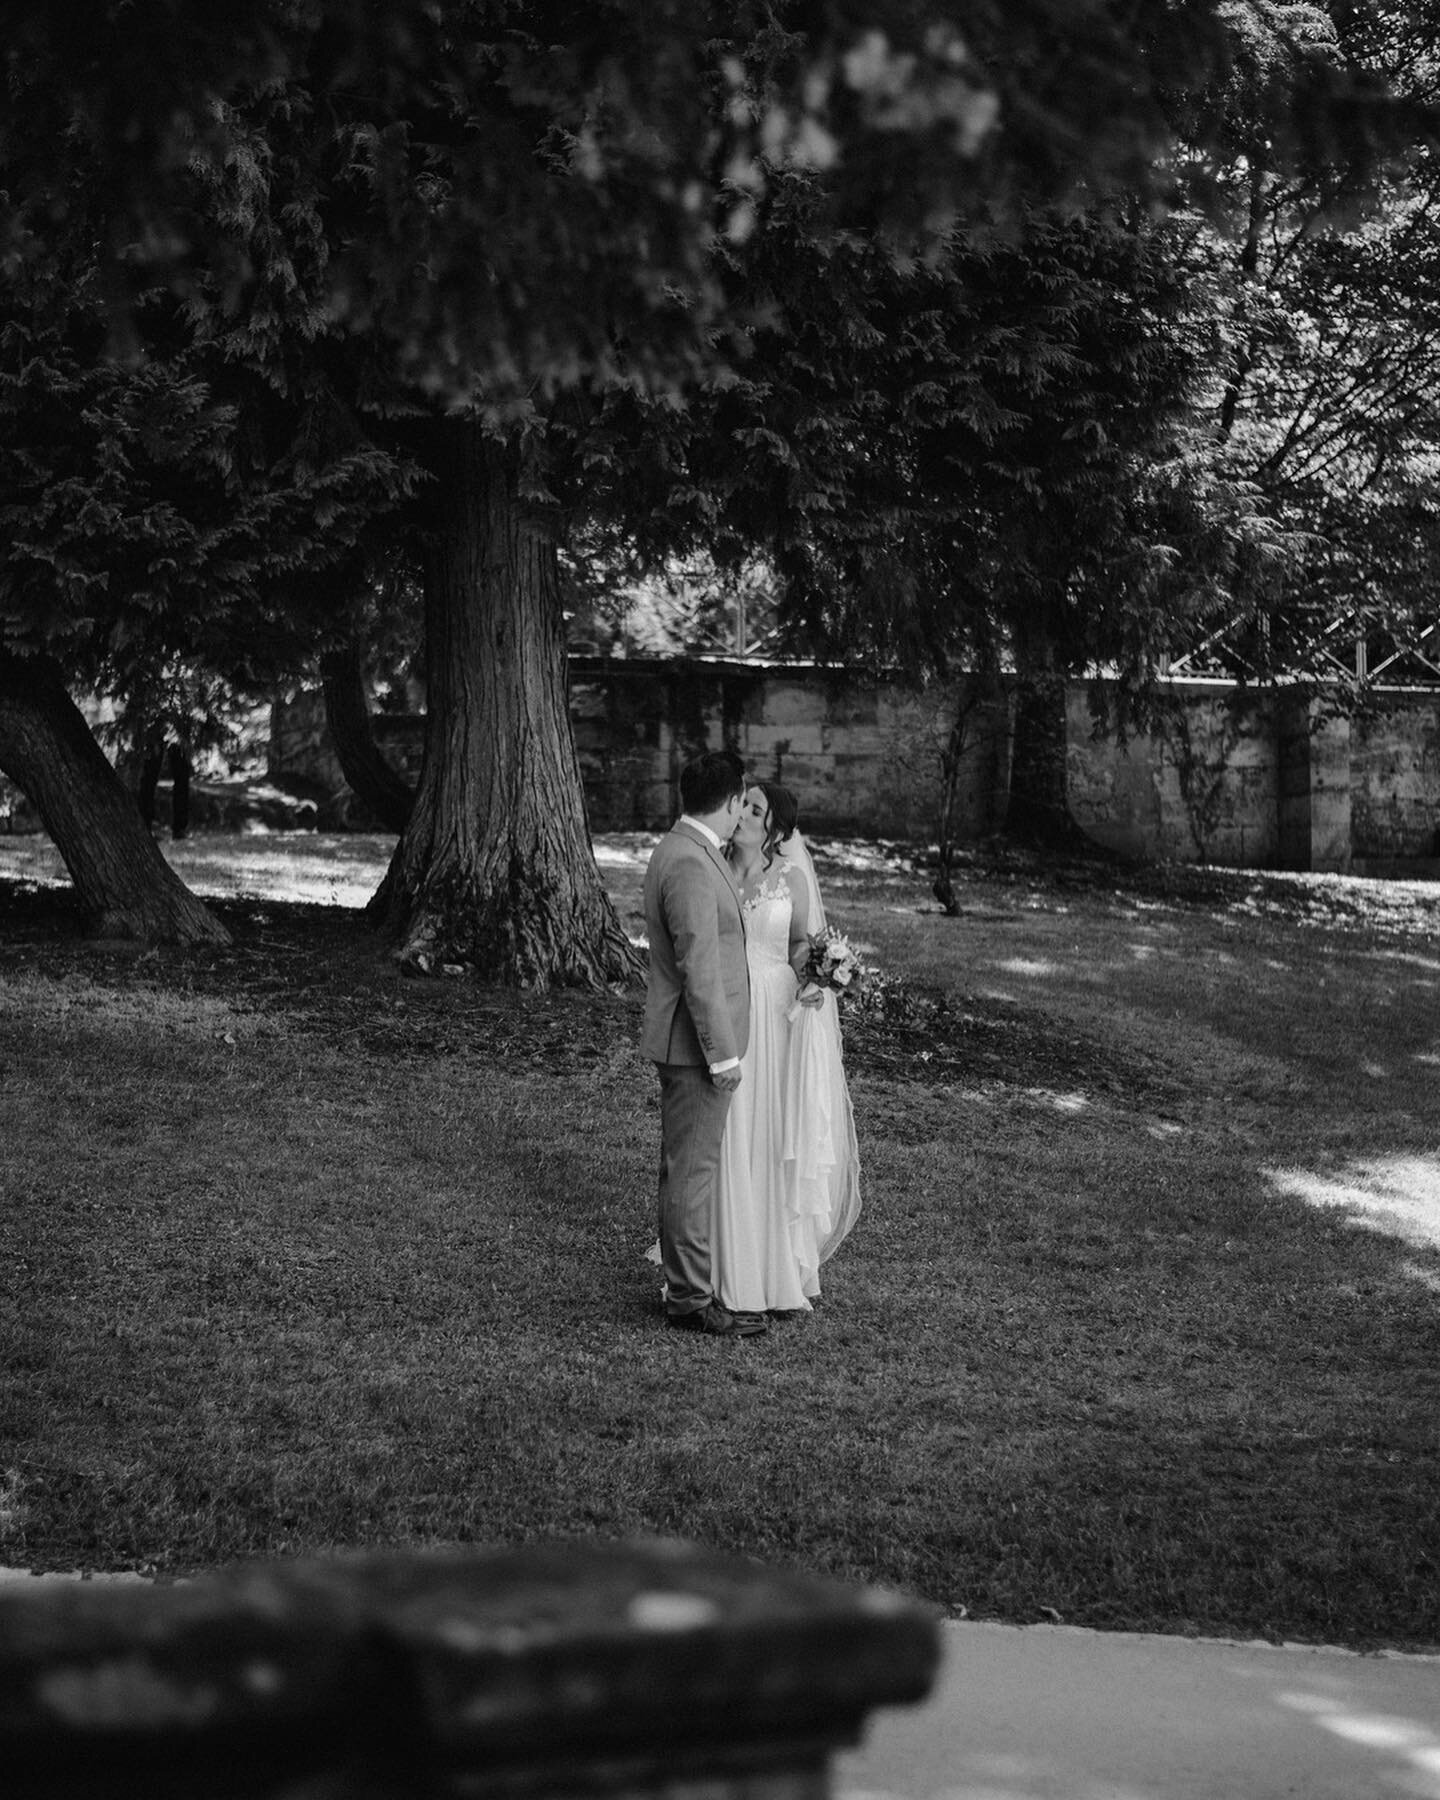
[1140, 1326]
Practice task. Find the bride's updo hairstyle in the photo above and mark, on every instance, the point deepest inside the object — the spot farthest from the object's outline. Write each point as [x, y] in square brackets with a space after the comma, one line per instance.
[784, 814]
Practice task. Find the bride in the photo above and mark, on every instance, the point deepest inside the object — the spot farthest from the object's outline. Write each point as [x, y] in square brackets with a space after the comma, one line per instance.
[789, 1183]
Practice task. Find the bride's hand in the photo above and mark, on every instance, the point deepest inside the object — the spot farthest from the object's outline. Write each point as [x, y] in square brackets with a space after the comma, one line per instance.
[811, 996]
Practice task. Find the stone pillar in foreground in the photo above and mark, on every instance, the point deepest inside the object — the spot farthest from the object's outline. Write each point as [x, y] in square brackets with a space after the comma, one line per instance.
[643, 1669]
[1313, 786]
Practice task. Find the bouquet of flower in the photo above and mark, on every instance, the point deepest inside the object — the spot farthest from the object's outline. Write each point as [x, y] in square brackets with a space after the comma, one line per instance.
[832, 963]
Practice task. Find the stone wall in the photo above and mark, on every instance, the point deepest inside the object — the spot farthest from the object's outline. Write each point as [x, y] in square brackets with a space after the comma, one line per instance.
[1395, 777]
[540, 1673]
[1261, 778]
[1204, 786]
[1243, 776]
[862, 755]
[1249, 777]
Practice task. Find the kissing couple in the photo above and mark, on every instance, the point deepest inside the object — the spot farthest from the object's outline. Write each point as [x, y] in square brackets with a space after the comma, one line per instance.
[759, 1169]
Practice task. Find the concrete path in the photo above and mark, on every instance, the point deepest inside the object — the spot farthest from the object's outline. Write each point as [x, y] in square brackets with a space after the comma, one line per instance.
[1047, 1712]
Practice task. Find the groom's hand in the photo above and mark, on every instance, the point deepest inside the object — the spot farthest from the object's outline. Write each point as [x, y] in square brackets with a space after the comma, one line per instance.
[727, 1079]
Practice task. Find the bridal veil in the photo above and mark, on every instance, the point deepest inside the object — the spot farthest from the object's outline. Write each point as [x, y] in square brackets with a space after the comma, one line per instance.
[822, 1157]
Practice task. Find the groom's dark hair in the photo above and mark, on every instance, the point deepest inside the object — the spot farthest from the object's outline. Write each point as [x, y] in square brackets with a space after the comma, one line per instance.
[709, 781]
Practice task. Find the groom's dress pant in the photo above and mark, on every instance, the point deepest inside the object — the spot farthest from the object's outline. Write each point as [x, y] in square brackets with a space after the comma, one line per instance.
[692, 1123]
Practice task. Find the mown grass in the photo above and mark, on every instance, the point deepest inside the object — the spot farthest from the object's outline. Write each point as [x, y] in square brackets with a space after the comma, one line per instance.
[1140, 1326]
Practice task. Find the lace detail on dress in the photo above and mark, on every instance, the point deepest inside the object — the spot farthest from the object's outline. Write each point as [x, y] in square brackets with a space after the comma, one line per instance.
[772, 887]
[767, 922]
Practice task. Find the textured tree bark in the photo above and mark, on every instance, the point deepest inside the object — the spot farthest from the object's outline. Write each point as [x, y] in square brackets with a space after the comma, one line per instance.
[347, 712]
[123, 882]
[494, 869]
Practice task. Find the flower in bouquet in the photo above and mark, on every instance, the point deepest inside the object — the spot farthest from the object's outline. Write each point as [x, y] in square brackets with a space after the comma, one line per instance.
[832, 963]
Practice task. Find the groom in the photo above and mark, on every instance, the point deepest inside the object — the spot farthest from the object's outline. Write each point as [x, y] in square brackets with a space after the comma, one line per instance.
[697, 1024]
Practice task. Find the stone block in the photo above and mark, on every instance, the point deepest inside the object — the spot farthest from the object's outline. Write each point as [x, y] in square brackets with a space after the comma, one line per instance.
[789, 704]
[765, 742]
[802, 772]
[879, 745]
[527, 1674]
[1330, 837]
[851, 703]
[902, 715]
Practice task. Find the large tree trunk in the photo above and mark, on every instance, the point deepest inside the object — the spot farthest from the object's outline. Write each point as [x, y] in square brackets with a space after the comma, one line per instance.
[495, 870]
[122, 880]
[347, 712]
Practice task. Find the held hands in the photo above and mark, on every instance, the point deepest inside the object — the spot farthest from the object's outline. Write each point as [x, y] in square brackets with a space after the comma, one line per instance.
[808, 997]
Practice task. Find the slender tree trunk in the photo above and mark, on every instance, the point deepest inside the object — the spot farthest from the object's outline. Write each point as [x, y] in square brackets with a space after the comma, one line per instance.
[494, 869]
[979, 702]
[1039, 810]
[122, 880]
[347, 712]
[181, 770]
[151, 768]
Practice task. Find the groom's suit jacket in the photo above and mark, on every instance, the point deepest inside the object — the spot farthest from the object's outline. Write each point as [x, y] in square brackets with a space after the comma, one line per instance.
[697, 1002]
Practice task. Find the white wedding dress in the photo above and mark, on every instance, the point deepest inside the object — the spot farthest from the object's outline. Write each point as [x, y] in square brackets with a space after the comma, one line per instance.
[789, 1185]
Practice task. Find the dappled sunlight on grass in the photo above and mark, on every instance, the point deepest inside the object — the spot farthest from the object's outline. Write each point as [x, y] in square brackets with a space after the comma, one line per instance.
[1398, 1196]
[31, 859]
[324, 870]
[1036, 968]
[321, 868]
[1330, 901]
[1410, 958]
[621, 850]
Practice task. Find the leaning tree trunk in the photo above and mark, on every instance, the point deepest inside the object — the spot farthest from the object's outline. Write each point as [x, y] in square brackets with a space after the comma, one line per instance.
[494, 870]
[122, 881]
[362, 762]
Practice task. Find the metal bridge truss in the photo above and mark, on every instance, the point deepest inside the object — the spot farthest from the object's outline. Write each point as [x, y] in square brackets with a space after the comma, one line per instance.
[1357, 649]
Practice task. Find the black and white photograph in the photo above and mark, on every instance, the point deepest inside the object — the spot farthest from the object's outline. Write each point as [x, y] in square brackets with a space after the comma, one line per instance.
[720, 900]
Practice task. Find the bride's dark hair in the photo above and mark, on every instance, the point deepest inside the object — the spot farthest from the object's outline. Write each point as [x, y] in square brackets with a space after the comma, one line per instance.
[784, 814]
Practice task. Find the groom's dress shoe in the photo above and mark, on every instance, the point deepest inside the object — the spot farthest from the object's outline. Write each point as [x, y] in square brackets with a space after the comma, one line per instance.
[715, 1321]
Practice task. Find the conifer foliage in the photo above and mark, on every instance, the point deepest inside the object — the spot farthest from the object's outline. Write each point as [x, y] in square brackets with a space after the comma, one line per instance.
[288, 284]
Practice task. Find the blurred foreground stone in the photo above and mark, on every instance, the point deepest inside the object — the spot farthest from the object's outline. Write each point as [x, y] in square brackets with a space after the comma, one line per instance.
[550, 1670]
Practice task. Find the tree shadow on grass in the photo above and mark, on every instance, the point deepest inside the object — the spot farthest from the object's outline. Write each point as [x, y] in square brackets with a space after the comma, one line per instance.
[903, 1032]
[322, 970]
[325, 970]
